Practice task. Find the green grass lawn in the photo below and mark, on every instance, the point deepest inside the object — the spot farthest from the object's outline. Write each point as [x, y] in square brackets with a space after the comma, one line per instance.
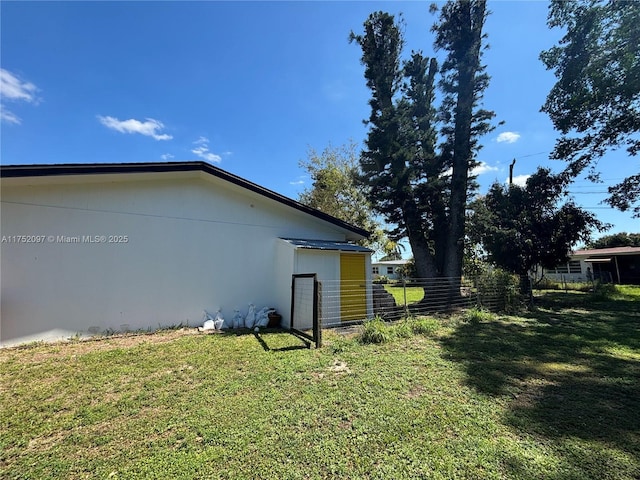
[414, 294]
[550, 394]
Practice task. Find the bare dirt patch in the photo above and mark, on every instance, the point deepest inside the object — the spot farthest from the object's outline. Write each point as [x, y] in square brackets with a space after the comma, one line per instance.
[339, 368]
[69, 350]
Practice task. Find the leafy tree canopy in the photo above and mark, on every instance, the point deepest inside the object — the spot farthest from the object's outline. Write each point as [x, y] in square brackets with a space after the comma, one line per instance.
[621, 239]
[521, 227]
[595, 103]
[335, 190]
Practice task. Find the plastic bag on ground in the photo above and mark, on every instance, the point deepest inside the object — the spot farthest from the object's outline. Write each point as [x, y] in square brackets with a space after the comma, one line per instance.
[218, 321]
[237, 319]
[262, 317]
[209, 323]
[250, 319]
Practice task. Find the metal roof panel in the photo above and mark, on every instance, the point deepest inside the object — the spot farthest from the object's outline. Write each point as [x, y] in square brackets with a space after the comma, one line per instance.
[326, 245]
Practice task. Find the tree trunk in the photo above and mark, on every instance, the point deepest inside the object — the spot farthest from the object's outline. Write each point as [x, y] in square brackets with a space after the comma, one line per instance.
[425, 262]
[467, 68]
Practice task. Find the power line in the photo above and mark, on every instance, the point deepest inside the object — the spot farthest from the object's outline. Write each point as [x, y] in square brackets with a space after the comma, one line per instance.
[531, 155]
[594, 192]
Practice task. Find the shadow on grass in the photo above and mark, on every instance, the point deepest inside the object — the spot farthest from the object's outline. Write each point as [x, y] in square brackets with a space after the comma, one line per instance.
[570, 369]
[281, 336]
[306, 345]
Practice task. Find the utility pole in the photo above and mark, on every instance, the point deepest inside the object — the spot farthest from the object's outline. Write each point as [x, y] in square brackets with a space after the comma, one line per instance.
[511, 172]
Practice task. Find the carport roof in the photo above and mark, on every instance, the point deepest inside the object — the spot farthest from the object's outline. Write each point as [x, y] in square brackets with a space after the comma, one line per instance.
[607, 252]
[326, 245]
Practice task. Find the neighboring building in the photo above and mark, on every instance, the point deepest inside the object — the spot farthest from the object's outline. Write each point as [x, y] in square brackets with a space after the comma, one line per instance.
[574, 271]
[89, 248]
[618, 265]
[387, 268]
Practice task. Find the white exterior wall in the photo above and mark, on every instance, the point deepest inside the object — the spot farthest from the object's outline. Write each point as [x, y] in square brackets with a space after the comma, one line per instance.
[285, 255]
[326, 265]
[382, 270]
[194, 242]
[570, 277]
[369, 278]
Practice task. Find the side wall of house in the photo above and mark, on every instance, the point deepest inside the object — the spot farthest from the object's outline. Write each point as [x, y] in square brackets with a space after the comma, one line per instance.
[134, 252]
[326, 265]
[383, 271]
[285, 260]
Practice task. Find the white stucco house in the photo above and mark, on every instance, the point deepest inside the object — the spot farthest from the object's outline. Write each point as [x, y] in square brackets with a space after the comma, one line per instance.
[618, 265]
[387, 268]
[96, 247]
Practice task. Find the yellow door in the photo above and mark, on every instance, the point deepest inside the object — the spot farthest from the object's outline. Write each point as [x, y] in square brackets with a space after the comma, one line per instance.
[353, 298]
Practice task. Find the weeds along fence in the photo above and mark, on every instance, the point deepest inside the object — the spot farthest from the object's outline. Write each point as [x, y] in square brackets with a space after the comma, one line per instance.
[340, 303]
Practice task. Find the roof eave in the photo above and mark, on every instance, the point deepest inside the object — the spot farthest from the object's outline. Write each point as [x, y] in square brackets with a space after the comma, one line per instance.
[15, 171]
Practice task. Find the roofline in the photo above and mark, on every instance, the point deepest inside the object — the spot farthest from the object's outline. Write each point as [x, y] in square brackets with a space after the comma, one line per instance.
[331, 245]
[65, 169]
[401, 261]
[615, 251]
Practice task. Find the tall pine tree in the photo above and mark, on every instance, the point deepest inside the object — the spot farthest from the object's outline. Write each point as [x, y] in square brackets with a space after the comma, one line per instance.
[399, 166]
[408, 180]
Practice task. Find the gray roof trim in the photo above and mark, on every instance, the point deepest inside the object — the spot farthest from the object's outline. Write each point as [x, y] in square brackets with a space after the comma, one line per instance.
[326, 245]
[14, 171]
[391, 262]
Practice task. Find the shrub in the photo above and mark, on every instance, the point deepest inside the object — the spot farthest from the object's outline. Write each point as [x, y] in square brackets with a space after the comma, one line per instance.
[605, 291]
[498, 291]
[424, 325]
[340, 345]
[408, 270]
[549, 284]
[403, 329]
[375, 331]
[477, 315]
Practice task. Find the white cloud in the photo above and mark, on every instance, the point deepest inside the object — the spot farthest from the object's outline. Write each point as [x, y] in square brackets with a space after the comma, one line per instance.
[202, 151]
[477, 170]
[483, 168]
[299, 181]
[14, 89]
[148, 128]
[205, 154]
[166, 157]
[508, 137]
[8, 116]
[520, 180]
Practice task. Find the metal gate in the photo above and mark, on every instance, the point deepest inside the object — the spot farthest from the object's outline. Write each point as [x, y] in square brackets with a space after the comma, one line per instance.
[305, 307]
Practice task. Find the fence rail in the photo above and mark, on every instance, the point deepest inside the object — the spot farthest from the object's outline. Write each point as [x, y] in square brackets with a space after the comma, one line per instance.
[346, 302]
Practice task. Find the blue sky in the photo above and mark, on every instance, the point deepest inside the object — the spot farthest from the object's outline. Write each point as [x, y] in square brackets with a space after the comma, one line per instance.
[249, 87]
